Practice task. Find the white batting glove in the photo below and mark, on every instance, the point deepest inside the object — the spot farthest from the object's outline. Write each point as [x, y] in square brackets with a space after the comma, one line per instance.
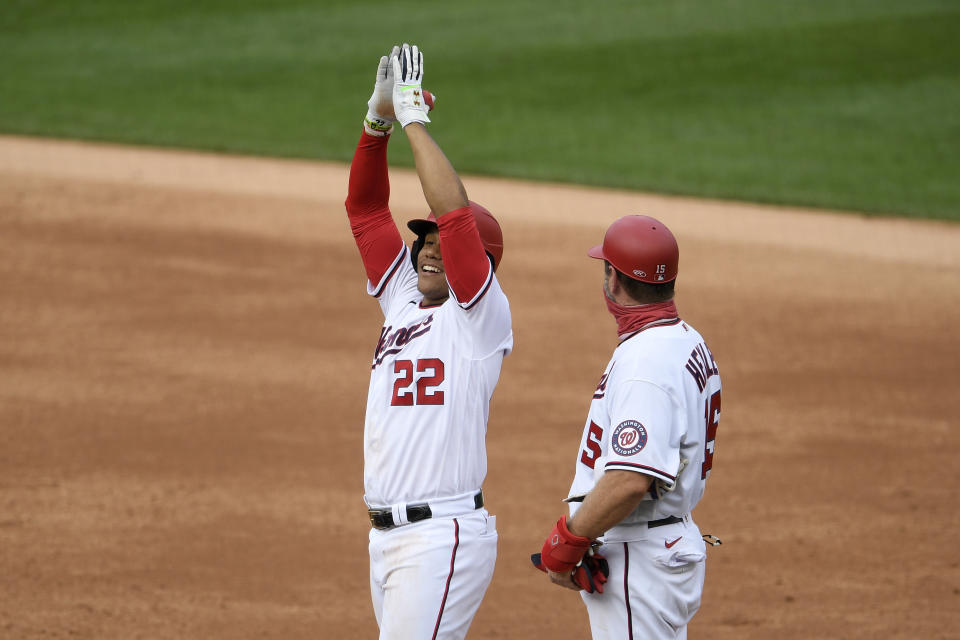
[380, 117]
[409, 104]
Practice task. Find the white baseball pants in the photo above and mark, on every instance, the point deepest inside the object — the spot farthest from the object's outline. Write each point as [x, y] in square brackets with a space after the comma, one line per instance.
[427, 578]
[654, 587]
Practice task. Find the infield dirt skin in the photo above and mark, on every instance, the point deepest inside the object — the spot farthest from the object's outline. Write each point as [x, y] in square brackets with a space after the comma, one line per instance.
[184, 363]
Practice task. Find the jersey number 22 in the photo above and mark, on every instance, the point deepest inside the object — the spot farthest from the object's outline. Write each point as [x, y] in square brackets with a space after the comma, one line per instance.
[425, 393]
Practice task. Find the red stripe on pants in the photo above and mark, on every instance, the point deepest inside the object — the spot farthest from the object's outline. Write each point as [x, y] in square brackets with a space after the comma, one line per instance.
[446, 589]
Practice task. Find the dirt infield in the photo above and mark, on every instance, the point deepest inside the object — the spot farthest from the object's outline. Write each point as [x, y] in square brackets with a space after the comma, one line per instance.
[183, 369]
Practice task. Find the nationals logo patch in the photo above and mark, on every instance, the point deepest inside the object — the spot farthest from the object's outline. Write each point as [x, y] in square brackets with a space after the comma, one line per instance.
[629, 437]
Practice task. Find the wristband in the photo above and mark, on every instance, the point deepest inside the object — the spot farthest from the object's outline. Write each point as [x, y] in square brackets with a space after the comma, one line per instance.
[563, 550]
[376, 125]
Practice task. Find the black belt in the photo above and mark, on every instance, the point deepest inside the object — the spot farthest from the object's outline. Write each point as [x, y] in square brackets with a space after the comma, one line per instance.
[663, 521]
[383, 518]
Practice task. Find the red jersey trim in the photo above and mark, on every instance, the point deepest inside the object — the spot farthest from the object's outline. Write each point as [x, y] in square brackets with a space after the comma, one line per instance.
[486, 287]
[391, 270]
[642, 468]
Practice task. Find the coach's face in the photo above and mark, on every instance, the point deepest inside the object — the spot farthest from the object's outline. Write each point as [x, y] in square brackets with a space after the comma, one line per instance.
[431, 278]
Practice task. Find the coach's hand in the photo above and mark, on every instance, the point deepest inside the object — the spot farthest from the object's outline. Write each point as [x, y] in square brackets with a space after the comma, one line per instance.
[409, 103]
[572, 561]
[590, 575]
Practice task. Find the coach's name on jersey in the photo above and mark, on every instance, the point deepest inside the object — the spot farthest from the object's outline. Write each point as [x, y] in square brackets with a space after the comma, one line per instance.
[392, 342]
[701, 365]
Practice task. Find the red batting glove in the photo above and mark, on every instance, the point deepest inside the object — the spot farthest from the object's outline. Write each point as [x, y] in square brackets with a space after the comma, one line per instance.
[562, 550]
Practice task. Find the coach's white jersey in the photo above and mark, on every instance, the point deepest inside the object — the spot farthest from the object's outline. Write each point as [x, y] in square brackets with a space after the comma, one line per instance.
[655, 411]
[433, 374]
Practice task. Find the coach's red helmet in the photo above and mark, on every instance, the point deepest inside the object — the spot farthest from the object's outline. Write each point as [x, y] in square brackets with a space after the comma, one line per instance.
[490, 234]
[641, 248]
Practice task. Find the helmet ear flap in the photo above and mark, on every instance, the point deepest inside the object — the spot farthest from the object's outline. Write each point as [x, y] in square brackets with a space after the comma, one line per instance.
[415, 250]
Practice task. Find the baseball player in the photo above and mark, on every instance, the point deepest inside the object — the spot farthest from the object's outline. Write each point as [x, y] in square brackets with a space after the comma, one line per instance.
[646, 451]
[446, 330]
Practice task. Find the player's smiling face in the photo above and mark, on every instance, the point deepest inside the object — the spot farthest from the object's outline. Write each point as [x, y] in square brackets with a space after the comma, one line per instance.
[431, 279]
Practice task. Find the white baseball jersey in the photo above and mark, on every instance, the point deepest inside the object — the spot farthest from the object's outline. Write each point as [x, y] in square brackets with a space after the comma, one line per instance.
[655, 411]
[433, 374]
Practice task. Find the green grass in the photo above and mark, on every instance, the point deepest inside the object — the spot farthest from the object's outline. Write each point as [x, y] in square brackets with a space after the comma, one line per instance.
[852, 105]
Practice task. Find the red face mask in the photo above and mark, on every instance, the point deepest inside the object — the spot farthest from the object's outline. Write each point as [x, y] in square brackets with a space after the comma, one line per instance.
[635, 318]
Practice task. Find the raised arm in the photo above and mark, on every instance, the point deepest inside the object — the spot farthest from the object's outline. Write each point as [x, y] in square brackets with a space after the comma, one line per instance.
[368, 192]
[441, 185]
[465, 261]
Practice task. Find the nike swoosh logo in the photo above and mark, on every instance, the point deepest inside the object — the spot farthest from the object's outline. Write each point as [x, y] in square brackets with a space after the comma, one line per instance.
[670, 544]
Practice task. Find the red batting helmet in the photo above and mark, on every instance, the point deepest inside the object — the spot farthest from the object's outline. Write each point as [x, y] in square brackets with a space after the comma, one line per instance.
[490, 234]
[641, 248]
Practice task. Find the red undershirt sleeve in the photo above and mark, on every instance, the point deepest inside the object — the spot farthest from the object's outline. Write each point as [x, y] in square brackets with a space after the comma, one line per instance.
[368, 196]
[468, 268]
